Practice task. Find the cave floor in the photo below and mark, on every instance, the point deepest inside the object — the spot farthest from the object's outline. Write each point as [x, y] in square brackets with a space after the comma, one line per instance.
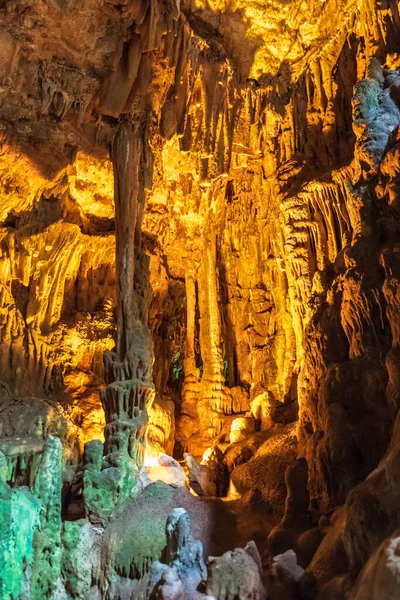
[220, 524]
[224, 525]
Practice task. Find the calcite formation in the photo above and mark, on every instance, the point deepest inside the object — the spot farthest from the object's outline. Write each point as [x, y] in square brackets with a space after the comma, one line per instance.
[199, 257]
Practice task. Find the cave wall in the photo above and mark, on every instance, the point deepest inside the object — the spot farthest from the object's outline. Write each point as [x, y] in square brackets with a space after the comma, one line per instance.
[243, 161]
[264, 173]
[280, 220]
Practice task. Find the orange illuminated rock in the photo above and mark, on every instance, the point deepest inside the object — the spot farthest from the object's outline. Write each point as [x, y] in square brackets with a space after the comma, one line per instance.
[206, 195]
[241, 428]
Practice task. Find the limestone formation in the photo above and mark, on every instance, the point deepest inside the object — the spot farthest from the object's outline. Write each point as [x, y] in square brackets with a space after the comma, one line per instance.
[236, 574]
[284, 575]
[184, 558]
[295, 533]
[19, 519]
[380, 577]
[210, 477]
[199, 273]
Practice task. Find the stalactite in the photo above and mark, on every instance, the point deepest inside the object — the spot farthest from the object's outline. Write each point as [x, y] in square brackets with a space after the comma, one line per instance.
[127, 156]
[190, 353]
[210, 333]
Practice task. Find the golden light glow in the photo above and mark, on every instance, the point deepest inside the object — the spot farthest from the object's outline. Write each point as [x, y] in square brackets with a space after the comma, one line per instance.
[20, 182]
[164, 468]
[53, 265]
[91, 185]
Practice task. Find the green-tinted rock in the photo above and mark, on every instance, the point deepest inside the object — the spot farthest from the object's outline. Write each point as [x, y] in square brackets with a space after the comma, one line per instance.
[19, 516]
[78, 558]
[47, 539]
[3, 468]
[137, 536]
[70, 558]
[108, 483]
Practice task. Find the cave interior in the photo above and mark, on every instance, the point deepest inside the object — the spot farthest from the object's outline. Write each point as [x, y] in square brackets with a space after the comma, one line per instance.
[199, 300]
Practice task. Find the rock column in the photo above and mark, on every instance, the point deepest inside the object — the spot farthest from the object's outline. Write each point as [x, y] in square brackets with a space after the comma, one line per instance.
[127, 370]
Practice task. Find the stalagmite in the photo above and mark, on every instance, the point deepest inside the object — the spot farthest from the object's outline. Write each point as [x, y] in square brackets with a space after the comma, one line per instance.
[129, 390]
